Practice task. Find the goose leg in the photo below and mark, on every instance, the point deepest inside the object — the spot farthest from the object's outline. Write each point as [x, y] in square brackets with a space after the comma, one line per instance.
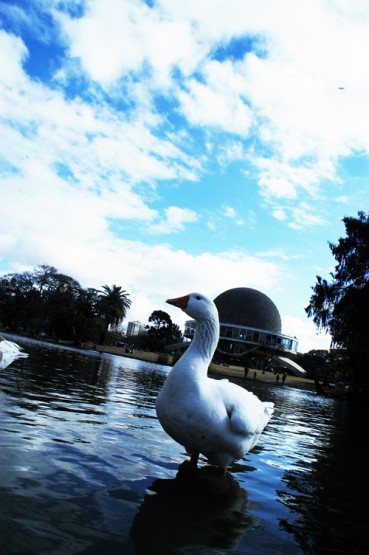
[189, 467]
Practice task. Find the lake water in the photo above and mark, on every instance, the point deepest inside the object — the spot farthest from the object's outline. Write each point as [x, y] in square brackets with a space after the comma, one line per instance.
[85, 468]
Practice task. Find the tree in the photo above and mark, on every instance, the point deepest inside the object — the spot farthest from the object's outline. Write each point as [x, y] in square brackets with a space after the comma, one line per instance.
[113, 306]
[46, 302]
[59, 302]
[327, 365]
[18, 300]
[162, 332]
[160, 320]
[341, 306]
[44, 276]
[176, 334]
[85, 322]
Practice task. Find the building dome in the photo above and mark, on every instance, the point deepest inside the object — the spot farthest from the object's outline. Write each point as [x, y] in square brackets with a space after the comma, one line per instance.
[247, 307]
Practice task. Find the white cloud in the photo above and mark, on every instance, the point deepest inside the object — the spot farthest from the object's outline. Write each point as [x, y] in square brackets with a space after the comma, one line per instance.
[291, 97]
[175, 220]
[279, 254]
[218, 102]
[277, 187]
[284, 180]
[12, 52]
[113, 39]
[62, 149]
[181, 273]
[231, 152]
[306, 332]
[204, 105]
[107, 38]
[230, 212]
[305, 215]
[342, 199]
[279, 214]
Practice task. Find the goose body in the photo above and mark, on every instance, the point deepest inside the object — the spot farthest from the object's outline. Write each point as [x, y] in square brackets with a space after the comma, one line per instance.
[216, 418]
[9, 351]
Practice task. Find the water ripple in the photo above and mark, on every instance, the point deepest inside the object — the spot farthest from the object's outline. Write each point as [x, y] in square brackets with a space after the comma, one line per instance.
[86, 468]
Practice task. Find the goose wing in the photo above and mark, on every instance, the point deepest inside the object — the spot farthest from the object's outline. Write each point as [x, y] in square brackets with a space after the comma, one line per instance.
[247, 414]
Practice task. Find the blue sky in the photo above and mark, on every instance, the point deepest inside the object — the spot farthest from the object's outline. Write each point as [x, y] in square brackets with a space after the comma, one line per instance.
[171, 146]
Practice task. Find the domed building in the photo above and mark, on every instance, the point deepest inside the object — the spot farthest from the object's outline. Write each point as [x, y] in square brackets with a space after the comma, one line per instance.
[249, 308]
[249, 323]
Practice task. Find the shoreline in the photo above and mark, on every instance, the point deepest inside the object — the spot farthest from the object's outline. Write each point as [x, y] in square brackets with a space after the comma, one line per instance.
[231, 371]
[166, 359]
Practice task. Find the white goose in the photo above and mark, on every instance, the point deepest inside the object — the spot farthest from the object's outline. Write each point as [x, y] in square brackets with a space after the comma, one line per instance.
[216, 418]
[9, 351]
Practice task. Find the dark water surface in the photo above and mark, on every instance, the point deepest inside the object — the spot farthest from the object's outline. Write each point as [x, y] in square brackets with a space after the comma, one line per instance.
[85, 468]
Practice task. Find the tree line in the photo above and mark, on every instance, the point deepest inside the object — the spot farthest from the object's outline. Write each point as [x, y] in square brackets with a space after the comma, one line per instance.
[45, 302]
[340, 305]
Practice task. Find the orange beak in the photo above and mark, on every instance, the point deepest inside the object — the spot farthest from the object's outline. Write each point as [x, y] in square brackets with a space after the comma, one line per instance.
[180, 302]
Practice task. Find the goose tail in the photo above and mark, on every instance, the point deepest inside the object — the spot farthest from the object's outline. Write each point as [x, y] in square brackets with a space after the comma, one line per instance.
[268, 409]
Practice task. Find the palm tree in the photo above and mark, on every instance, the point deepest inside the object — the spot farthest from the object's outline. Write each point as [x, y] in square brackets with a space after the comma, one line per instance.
[113, 305]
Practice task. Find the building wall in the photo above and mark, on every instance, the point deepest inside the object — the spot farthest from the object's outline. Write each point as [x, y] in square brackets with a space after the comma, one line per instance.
[135, 328]
[238, 340]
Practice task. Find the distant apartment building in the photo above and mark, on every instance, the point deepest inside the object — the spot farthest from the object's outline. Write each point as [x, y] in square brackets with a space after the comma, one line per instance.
[135, 328]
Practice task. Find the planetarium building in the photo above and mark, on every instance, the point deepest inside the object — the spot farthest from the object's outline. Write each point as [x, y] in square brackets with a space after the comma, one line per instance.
[249, 322]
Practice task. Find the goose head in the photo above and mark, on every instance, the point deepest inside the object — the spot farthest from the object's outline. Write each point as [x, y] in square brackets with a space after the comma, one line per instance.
[196, 305]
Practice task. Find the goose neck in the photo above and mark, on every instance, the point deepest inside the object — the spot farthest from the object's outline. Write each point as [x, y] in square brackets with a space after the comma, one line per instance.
[205, 339]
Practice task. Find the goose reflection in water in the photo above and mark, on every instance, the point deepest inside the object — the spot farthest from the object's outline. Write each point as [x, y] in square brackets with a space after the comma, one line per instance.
[9, 352]
[203, 510]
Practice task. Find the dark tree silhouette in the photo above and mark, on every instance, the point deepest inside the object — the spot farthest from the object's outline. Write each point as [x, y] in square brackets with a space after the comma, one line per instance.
[162, 332]
[341, 306]
[48, 303]
[113, 306]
